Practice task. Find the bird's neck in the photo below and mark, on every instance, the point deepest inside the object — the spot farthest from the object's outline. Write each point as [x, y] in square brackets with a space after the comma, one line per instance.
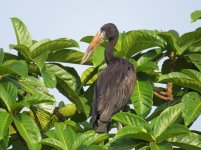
[109, 56]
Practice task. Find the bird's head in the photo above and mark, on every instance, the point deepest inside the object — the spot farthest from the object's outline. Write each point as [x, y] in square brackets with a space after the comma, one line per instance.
[107, 32]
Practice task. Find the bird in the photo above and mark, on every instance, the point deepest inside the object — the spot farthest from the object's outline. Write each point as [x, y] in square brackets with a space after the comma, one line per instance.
[115, 84]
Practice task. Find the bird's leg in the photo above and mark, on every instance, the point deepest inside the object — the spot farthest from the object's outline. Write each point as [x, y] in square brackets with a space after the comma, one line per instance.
[167, 95]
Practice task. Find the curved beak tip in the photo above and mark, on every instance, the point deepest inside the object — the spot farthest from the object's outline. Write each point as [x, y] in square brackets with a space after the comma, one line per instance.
[96, 41]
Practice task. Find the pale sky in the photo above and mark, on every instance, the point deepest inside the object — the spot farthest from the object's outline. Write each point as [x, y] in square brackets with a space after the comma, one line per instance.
[77, 18]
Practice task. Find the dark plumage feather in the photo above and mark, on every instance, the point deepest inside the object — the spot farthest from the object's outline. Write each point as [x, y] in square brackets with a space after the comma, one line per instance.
[113, 89]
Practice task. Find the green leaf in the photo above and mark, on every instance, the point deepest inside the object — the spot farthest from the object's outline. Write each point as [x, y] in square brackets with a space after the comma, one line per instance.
[48, 77]
[135, 132]
[22, 34]
[89, 76]
[67, 56]
[98, 56]
[25, 51]
[196, 15]
[42, 117]
[150, 65]
[14, 67]
[188, 40]
[53, 143]
[172, 131]
[68, 82]
[5, 97]
[28, 130]
[129, 119]
[38, 98]
[189, 142]
[192, 107]
[1, 55]
[9, 56]
[4, 142]
[187, 77]
[89, 138]
[11, 89]
[166, 119]
[91, 147]
[162, 107]
[156, 146]
[32, 85]
[123, 143]
[65, 135]
[142, 97]
[38, 44]
[195, 58]
[171, 40]
[53, 45]
[5, 121]
[136, 41]
[148, 56]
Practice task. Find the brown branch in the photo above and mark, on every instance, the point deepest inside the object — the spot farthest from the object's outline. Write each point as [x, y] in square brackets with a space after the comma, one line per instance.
[163, 96]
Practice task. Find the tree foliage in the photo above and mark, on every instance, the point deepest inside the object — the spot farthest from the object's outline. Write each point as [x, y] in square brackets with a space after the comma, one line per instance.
[31, 119]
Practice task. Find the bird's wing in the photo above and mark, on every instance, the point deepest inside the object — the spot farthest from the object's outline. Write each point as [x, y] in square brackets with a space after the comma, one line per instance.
[112, 91]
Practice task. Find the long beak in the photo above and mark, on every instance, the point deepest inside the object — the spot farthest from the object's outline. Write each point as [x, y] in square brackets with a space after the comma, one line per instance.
[96, 41]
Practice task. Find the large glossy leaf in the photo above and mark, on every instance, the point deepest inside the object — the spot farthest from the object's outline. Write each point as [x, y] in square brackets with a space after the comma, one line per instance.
[5, 121]
[28, 130]
[172, 131]
[148, 66]
[148, 56]
[5, 97]
[171, 40]
[163, 146]
[136, 41]
[53, 143]
[89, 76]
[162, 107]
[166, 119]
[48, 77]
[89, 138]
[67, 56]
[135, 132]
[42, 117]
[191, 141]
[1, 55]
[53, 45]
[129, 119]
[22, 34]
[91, 147]
[192, 107]
[65, 135]
[14, 67]
[98, 56]
[187, 78]
[11, 89]
[22, 49]
[195, 58]
[32, 85]
[68, 83]
[38, 98]
[4, 142]
[196, 15]
[123, 143]
[38, 44]
[188, 40]
[142, 97]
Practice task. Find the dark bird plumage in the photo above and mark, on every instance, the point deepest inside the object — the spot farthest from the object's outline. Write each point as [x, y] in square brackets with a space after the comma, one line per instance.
[115, 83]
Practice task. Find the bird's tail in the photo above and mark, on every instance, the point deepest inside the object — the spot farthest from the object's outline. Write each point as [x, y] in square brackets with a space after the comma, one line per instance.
[101, 127]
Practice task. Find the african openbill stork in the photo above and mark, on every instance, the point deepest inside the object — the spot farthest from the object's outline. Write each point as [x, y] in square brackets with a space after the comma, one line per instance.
[115, 83]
